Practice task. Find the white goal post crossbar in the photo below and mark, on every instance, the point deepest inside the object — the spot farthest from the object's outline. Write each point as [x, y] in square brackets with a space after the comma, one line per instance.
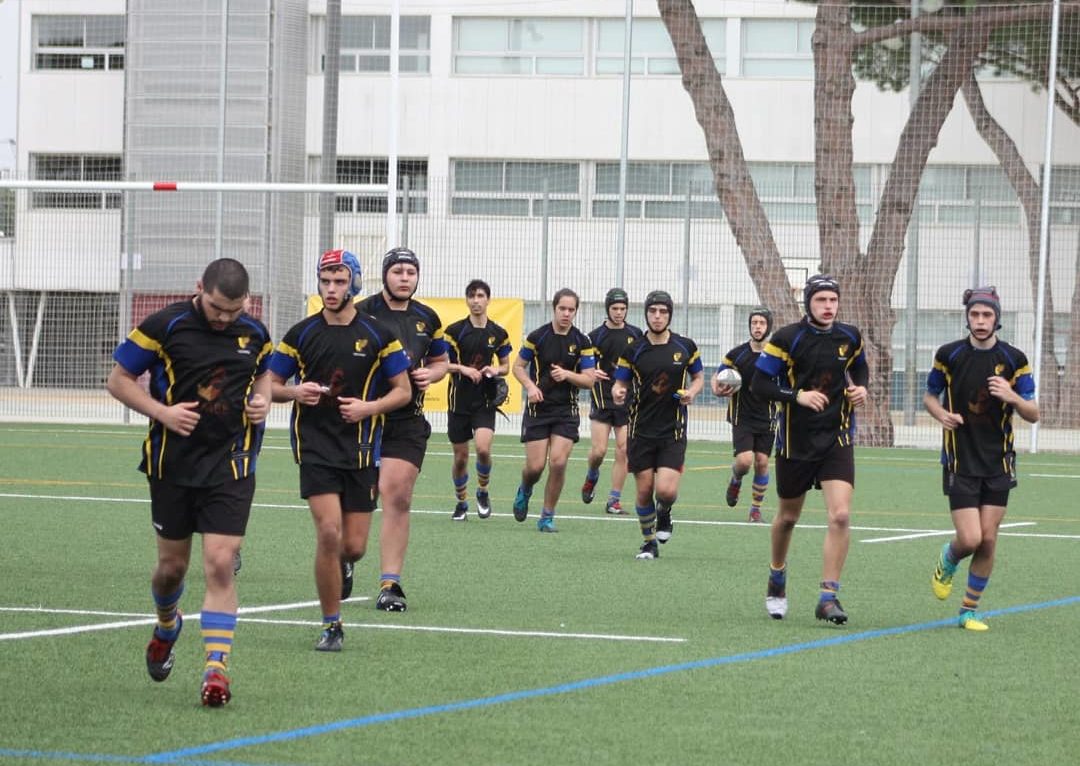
[193, 186]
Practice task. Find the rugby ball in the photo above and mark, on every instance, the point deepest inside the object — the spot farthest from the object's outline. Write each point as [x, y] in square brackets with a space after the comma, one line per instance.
[729, 377]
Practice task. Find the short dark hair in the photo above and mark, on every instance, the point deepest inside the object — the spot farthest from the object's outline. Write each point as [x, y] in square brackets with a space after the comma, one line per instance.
[227, 276]
[477, 285]
[565, 292]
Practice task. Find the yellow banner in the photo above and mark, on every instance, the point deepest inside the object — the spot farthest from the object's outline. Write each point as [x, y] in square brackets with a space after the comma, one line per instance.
[508, 312]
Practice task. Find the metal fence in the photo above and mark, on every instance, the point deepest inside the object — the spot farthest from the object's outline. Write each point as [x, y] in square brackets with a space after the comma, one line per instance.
[74, 284]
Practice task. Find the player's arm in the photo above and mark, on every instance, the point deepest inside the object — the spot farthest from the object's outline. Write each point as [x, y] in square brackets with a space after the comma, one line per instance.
[1020, 394]
[502, 369]
[123, 385]
[284, 365]
[520, 371]
[353, 410]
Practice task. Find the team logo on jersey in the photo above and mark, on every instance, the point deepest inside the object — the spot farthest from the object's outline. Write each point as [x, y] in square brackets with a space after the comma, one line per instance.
[573, 348]
[841, 352]
[360, 345]
[491, 340]
[243, 341]
[999, 368]
[629, 339]
[420, 327]
[676, 357]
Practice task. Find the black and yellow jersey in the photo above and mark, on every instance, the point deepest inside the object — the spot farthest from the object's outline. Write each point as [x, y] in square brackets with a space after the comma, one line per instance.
[609, 343]
[655, 372]
[419, 330]
[804, 357]
[983, 445]
[475, 347]
[188, 361]
[352, 360]
[745, 408]
[573, 352]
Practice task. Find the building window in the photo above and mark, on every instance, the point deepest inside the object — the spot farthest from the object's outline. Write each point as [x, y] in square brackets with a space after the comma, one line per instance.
[533, 46]
[1065, 196]
[651, 50]
[777, 48]
[79, 42]
[512, 188]
[76, 167]
[967, 195]
[662, 190]
[376, 170]
[365, 44]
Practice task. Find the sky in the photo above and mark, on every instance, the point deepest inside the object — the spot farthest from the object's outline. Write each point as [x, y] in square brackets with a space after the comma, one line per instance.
[9, 41]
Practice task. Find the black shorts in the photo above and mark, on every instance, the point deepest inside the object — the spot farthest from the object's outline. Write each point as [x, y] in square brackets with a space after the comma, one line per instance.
[541, 429]
[794, 478]
[644, 454]
[460, 428]
[406, 439]
[976, 491]
[745, 439]
[356, 486]
[613, 416]
[223, 509]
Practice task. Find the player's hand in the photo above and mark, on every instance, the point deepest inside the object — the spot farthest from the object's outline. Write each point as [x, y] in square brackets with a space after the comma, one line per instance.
[950, 421]
[353, 410]
[181, 417]
[309, 392]
[597, 374]
[684, 396]
[1001, 390]
[558, 374]
[721, 389]
[256, 408]
[534, 393]
[421, 377]
[488, 371]
[857, 395]
[814, 400]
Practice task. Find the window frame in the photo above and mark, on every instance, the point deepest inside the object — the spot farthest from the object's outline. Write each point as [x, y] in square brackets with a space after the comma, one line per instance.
[523, 203]
[420, 55]
[75, 200]
[532, 58]
[113, 58]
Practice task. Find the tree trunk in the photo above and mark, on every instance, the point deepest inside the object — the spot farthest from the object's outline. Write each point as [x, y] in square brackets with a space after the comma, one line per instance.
[838, 217]
[1070, 394]
[734, 188]
[871, 280]
[1027, 190]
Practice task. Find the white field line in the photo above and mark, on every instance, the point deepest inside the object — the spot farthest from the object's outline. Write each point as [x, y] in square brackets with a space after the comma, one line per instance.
[945, 533]
[1056, 475]
[144, 620]
[482, 631]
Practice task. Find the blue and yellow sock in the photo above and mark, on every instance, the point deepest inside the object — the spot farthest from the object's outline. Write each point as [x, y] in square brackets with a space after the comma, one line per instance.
[386, 579]
[168, 626]
[757, 496]
[592, 475]
[975, 587]
[647, 521]
[778, 575]
[483, 476]
[614, 496]
[829, 589]
[217, 634]
[330, 619]
[461, 488]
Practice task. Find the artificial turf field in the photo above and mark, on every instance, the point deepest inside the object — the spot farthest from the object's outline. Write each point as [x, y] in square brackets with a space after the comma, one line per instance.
[522, 648]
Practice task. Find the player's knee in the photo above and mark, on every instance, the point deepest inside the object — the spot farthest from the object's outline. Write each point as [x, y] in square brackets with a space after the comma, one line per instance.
[840, 518]
[353, 550]
[967, 542]
[557, 465]
[328, 536]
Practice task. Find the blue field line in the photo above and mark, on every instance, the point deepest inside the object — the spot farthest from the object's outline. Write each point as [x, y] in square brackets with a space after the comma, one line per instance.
[588, 683]
[57, 755]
